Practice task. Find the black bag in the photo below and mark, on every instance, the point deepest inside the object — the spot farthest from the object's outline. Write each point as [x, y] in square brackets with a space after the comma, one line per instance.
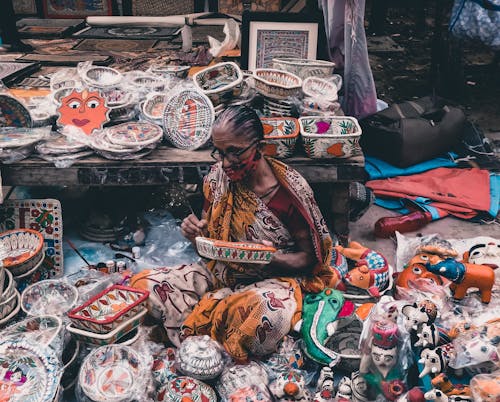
[412, 132]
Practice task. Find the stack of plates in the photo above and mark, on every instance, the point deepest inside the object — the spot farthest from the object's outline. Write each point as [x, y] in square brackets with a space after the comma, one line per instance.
[60, 148]
[18, 143]
[101, 235]
[277, 108]
[127, 141]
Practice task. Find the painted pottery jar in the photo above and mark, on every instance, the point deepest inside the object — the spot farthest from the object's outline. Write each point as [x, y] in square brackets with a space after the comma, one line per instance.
[200, 357]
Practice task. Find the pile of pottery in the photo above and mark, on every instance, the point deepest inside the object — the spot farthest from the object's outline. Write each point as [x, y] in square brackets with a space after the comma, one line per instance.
[18, 143]
[127, 141]
[21, 255]
[109, 316]
[62, 150]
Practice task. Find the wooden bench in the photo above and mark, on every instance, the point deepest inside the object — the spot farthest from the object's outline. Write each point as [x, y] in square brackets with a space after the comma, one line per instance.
[329, 178]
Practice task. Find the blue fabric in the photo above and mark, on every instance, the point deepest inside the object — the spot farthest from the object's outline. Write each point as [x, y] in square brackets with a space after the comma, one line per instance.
[399, 205]
[495, 194]
[378, 169]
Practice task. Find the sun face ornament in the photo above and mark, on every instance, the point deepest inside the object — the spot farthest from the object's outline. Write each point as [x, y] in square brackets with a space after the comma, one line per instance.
[85, 110]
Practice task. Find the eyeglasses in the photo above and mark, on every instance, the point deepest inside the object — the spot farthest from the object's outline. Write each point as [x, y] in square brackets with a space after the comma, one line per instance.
[219, 155]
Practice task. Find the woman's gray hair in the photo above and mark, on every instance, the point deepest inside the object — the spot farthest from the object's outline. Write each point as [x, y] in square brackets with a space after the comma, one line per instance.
[242, 121]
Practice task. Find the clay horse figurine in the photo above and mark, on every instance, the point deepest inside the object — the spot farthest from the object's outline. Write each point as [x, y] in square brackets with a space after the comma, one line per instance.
[465, 276]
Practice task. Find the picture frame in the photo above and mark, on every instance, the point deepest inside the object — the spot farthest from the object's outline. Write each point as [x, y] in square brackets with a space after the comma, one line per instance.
[265, 36]
[26, 7]
[76, 8]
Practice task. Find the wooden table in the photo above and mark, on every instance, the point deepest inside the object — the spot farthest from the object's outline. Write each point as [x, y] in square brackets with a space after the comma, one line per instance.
[329, 178]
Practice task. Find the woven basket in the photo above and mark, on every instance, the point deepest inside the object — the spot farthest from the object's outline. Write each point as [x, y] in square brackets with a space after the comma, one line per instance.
[316, 87]
[304, 67]
[162, 7]
[276, 84]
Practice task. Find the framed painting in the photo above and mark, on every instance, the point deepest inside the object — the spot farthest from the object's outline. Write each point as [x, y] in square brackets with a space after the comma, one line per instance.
[76, 8]
[25, 7]
[238, 6]
[266, 36]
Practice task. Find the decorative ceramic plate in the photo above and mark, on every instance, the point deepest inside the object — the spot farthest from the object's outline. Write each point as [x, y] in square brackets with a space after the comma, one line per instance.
[62, 160]
[13, 113]
[59, 145]
[108, 309]
[188, 119]
[242, 252]
[13, 138]
[182, 389]
[31, 372]
[114, 336]
[100, 142]
[19, 249]
[112, 373]
[42, 330]
[134, 134]
[51, 297]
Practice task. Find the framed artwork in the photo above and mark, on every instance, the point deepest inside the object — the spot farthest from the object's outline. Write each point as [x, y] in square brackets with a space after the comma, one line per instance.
[237, 6]
[76, 8]
[25, 7]
[266, 36]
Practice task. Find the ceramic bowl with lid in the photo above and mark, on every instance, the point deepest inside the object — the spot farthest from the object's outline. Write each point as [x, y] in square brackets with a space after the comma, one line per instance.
[200, 357]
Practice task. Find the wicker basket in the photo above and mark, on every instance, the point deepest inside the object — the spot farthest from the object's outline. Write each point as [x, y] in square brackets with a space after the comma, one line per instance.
[319, 88]
[162, 7]
[304, 67]
[276, 84]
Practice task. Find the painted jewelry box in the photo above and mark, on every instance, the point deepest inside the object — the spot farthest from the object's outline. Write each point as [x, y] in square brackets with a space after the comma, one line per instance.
[104, 312]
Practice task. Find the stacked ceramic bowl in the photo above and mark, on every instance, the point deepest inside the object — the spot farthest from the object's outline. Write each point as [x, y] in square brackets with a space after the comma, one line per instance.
[18, 143]
[9, 297]
[109, 316]
[220, 82]
[121, 104]
[153, 108]
[60, 149]
[21, 251]
[127, 141]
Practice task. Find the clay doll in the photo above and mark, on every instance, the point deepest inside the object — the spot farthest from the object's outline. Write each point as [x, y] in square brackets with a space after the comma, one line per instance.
[290, 386]
[325, 386]
[380, 366]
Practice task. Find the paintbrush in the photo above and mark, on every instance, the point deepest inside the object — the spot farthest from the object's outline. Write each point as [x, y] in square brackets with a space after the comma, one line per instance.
[79, 254]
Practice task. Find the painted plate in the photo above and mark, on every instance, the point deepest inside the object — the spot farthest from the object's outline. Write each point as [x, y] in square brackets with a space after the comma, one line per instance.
[111, 373]
[13, 113]
[188, 119]
[14, 138]
[60, 144]
[242, 252]
[134, 134]
[29, 372]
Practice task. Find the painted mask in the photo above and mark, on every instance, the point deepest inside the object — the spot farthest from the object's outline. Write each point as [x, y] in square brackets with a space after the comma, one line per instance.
[86, 110]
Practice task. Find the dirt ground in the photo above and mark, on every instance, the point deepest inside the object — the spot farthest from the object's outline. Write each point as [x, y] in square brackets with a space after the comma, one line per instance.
[406, 74]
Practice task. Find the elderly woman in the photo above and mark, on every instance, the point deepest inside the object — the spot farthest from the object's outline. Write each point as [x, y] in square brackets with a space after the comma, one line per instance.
[248, 308]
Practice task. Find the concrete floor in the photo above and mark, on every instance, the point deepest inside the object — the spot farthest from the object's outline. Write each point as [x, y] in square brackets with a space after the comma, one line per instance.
[448, 228]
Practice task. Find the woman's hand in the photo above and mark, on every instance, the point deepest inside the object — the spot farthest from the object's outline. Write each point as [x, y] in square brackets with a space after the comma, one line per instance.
[192, 226]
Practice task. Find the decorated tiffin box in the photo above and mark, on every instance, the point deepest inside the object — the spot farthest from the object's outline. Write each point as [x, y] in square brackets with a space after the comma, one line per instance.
[108, 309]
[330, 136]
[280, 136]
[242, 252]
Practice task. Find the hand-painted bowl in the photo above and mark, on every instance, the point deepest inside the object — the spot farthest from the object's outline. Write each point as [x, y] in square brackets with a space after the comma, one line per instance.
[242, 252]
[20, 249]
[51, 297]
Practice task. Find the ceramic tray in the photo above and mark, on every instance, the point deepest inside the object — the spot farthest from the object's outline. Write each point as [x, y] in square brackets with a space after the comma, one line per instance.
[14, 138]
[113, 336]
[134, 134]
[112, 373]
[20, 249]
[51, 297]
[104, 312]
[13, 113]
[241, 252]
[31, 372]
[188, 119]
[280, 136]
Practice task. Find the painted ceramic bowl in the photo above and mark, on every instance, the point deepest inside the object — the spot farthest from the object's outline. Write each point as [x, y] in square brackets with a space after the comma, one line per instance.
[148, 82]
[60, 144]
[241, 375]
[9, 285]
[62, 93]
[44, 330]
[219, 81]
[276, 84]
[280, 136]
[154, 107]
[7, 305]
[172, 71]
[113, 336]
[70, 353]
[188, 119]
[31, 371]
[12, 315]
[134, 134]
[102, 77]
[241, 252]
[345, 342]
[200, 357]
[21, 249]
[13, 113]
[117, 97]
[35, 274]
[316, 87]
[104, 312]
[330, 136]
[112, 373]
[49, 297]
[181, 389]
[164, 367]
[304, 67]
